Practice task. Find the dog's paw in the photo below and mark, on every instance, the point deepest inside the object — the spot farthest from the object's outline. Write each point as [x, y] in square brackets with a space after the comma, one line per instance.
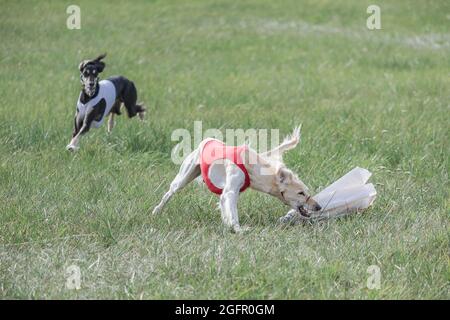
[285, 220]
[240, 229]
[291, 218]
[72, 148]
[156, 210]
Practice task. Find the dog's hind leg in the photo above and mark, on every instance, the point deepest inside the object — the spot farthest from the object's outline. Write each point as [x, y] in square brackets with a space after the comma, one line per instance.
[114, 110]
[189, 170]
[129, 97]
[111, 122]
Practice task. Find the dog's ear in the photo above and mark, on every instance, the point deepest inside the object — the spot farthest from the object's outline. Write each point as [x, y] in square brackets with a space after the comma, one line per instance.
[82, 65]
[284, 176]
[100, 65]
[100, 57]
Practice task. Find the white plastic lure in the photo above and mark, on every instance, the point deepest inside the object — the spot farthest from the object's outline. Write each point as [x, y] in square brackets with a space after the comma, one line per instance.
[348, 194]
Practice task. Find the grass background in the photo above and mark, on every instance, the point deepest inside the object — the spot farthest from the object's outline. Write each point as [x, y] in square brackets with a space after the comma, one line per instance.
[375, 99]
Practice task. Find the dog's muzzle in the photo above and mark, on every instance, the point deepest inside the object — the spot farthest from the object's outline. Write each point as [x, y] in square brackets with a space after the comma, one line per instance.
[303, 211]
[90, 89]
[89, 84]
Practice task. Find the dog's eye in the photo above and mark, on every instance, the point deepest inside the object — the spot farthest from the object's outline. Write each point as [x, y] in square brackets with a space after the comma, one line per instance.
[301, 193]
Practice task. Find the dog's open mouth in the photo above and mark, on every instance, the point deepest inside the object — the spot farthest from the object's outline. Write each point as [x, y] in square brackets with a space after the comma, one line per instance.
[303, 211]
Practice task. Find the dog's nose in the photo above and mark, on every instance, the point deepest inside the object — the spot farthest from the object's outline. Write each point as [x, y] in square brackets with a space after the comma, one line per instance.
[317, 207]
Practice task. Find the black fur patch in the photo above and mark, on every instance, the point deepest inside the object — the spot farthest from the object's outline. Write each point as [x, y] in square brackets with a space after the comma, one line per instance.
[99, 110]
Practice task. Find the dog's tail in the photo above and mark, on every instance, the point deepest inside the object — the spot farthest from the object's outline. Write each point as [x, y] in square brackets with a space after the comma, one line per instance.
[141, 110]
[290, 142]
[140, 107]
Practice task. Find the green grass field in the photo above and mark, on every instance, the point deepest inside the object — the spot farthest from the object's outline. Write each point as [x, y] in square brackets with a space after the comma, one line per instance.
[375, 99]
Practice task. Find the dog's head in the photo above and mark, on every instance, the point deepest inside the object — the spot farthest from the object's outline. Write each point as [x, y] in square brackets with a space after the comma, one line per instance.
[294, 193]
[287, 186]
[90, 70]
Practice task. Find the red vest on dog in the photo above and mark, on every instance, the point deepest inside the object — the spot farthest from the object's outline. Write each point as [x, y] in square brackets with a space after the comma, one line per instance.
[216, 150]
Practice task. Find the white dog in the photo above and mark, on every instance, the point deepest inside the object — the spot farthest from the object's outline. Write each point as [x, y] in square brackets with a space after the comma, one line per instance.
[230, 170]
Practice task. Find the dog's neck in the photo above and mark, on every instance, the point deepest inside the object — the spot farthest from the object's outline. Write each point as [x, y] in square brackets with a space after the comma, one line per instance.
[85, 97]
[262, 173]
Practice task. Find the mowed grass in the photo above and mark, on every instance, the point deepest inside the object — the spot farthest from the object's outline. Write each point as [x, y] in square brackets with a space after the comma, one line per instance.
[374, 99]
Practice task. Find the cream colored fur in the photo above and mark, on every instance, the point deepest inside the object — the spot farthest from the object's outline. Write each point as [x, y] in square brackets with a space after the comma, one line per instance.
[267, 173]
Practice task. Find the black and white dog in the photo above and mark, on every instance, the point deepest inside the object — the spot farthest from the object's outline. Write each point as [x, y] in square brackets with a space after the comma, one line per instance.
[101, 98]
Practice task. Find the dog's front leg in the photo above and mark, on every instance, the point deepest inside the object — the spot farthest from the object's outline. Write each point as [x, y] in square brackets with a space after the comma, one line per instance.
[230, 195]
[292, 217]
[73, 145]
[86, 125]
[77, 125]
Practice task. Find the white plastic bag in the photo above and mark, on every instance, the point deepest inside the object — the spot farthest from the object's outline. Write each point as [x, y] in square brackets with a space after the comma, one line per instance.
[348, 194]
